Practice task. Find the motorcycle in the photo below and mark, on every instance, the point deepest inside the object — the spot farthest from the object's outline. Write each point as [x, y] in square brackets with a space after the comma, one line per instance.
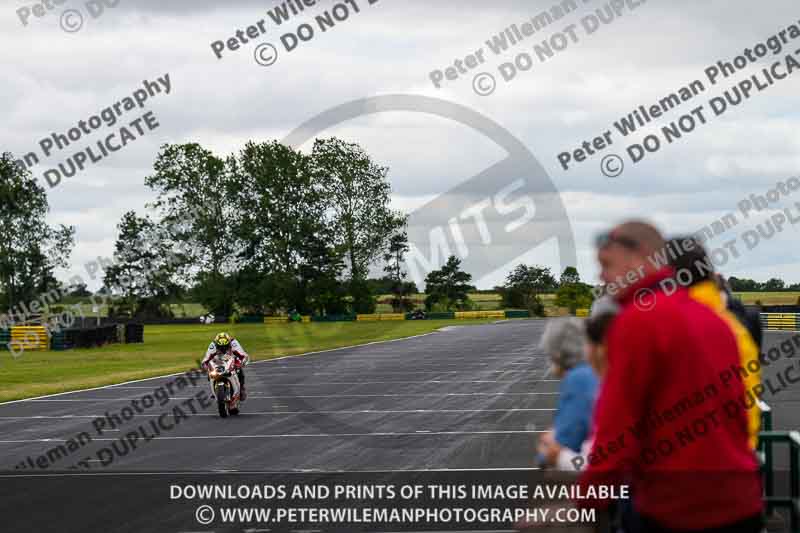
[225, 387]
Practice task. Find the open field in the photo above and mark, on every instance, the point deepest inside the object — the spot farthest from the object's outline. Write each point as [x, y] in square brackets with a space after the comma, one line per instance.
[770, 298]
[175, 348]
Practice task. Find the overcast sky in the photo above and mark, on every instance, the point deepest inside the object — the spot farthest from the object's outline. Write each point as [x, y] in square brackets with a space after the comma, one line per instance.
[54, 78]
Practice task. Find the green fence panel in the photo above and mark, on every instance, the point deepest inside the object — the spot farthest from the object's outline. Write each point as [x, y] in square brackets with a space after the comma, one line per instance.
[5, 338]
[59, 342]
[518, 314]
[448, 315]
[251, 319]
[766, 439]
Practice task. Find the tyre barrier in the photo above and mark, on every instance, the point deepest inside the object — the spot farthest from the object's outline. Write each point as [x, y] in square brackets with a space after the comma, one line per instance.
[5, 338]
[29, 338]
[134, 333]
[780, 321]
[69, 339]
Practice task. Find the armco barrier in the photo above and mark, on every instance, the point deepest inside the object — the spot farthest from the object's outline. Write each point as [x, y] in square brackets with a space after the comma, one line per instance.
[448, 315]
[380, 316]
[780, 321]
[461, 315]
[29, 338]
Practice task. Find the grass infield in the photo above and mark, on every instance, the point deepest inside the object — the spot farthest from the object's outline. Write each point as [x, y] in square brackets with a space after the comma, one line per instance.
[176, 348]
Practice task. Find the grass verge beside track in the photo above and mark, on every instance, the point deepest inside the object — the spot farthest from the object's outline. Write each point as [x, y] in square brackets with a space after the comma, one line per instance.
[176, 348]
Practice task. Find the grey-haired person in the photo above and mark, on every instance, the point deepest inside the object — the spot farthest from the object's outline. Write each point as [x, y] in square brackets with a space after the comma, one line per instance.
[564, 343]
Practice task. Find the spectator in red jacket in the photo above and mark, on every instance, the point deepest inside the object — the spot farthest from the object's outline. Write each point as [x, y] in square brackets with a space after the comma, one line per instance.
[661, 423]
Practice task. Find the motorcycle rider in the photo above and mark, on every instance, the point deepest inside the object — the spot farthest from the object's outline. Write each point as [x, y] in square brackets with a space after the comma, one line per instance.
[224, 344]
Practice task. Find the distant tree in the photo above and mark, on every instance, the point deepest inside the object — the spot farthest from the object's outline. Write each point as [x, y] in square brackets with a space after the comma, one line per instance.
[282, 222]
[400, 288]
[774, 284]
[358, 194]
[193, 189]
[524, 287]
[324, 292]
[572, 293]
[448, 287]
[146, 269]
[80, 291]
[30, 249]
[742, 285]
[569, 276]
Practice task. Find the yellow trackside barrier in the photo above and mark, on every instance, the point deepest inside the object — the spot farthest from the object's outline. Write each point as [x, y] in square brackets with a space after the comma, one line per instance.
[582, 313]
[781, 321]
[381, 316]
[276, 319]
[479, 314]
[306, 318]
[34, 338]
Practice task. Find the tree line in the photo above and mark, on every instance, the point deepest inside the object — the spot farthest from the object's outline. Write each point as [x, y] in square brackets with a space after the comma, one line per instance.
[267, 229]
[771, 285]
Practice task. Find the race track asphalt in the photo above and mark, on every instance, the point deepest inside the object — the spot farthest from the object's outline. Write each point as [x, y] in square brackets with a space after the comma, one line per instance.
[461, 400]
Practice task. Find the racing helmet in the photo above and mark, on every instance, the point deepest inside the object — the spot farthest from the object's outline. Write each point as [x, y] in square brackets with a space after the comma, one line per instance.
[222, 342]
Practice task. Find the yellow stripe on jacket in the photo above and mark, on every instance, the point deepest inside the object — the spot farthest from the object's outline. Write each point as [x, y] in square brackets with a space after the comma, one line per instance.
[707, 293]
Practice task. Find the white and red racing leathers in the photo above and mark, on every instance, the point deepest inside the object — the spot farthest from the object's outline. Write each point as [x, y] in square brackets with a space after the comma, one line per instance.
[242, 358]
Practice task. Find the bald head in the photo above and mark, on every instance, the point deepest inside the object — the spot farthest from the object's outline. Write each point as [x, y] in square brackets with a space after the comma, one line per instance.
[626, 253]
[647, 238]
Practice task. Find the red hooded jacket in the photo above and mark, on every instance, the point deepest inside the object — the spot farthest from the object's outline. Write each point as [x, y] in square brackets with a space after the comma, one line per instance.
[665, 421]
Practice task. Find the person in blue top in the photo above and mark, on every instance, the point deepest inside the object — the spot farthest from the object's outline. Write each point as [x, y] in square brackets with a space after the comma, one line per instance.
[564, 343]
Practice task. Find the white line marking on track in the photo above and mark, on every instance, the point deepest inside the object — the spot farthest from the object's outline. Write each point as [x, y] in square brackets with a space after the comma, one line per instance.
[276, 472]
[321, 411]
[306, 435]
[324, 383]
[256, 395]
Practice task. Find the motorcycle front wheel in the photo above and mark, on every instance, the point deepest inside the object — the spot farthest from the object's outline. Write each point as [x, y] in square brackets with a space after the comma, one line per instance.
[222, 402]
[223, 407]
